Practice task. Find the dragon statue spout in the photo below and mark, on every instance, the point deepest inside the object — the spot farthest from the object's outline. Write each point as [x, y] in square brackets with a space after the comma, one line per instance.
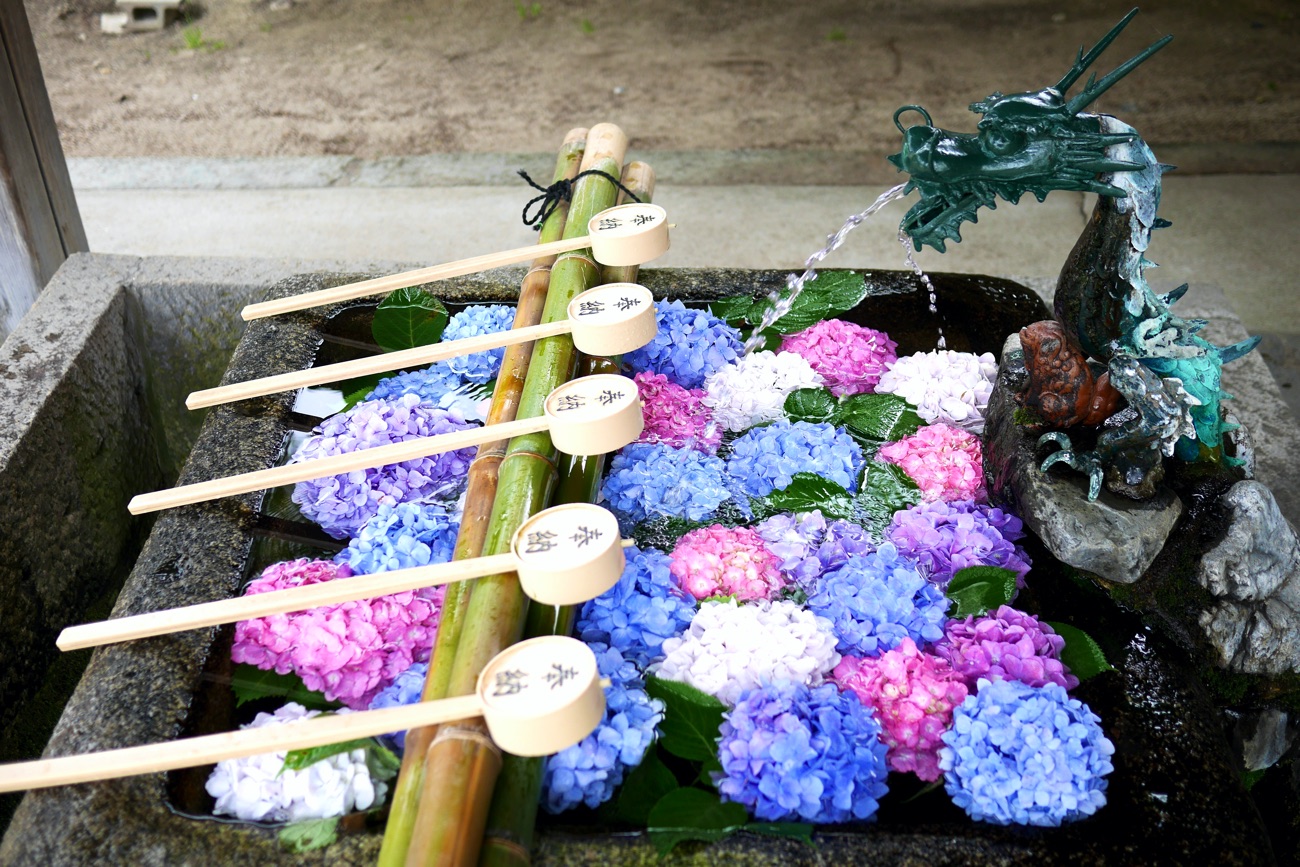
[1128, 350]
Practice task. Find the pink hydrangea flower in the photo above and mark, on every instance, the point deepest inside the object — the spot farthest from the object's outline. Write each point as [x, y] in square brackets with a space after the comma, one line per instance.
[349, 651]
[849, 357]
[1005, 645]
[947, 463]
[675, 416]
[914, 694]
[726, 561]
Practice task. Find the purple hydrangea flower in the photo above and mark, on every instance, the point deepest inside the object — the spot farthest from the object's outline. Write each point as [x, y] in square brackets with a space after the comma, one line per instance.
[811, 754]
[945, 538]
[648, 480]
[876, 600]
[1005, 644]
[472, 322]
[342, 504]
[640, 611]
[690, 345]
[403, 537]
[795, 538]
[590, 770]
[766, 458]
[406, 689]
[1025, 755]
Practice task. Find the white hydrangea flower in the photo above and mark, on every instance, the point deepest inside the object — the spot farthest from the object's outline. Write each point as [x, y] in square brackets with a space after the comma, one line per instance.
[255, 790]
[730, 648]
[944, 386]
[753, 390]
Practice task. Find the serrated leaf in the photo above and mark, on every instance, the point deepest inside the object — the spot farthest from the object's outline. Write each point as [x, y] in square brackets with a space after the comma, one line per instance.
[807, 491]
[1081, 654]
[842, 290]
[979, 589]
[647, 783]
[813, 405]
[305, 836]
[692, 814]
[250, 683]
[733, 310]
[827, 296]
[884, 490]
[691, 720]
[408, 318]
[883, 418]
[296, 760]
[801, 831]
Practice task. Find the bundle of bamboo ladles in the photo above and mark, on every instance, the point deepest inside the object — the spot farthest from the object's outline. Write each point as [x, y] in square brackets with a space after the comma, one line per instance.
[459, 799]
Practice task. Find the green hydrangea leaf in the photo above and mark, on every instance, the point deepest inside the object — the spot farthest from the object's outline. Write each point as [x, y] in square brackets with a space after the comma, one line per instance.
[692, 814]
[644, 787]
[306, 836]
[807, 491]
[734, 310]
[976, 590]
[1081, 654]
[813, 405]
[691, 720]
[381, 760]
[879, 418]
[250, 683]
[827, 296]
[884, 490]
[408, 318]
[355, 390]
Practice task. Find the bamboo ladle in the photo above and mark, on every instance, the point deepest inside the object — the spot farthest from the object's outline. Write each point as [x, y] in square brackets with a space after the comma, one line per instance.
[537, 697]
[630, 234]
[585, 416]
[564, 555]
[608, 320]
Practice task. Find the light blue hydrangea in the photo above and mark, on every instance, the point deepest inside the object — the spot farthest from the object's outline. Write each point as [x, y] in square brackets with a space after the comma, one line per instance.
[790, 752]
[472, 322]
[402, 537]
[1025, 755]
[405, 689]
[876, 600]
[437, 385]
[690, 345]
[640, 611]
[766, 458]
[650, 480]
[589, 771]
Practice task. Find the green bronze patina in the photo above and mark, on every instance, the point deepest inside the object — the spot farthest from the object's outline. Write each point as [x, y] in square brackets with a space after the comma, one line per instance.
[1040, 141]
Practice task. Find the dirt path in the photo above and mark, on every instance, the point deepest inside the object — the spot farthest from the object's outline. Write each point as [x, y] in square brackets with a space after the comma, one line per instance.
[394, 77]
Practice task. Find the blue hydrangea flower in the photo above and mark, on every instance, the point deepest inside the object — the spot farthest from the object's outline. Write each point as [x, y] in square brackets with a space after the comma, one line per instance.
[402, 537]
[341, 504]
[405, 689]
[766, 458]
[648, 480]
[690, 345]
[589, 771]
[436, 385]
[640, 611]
[876, 600]
[1025, 755]
[843, 540]
[799, 753]
[472, 322]
[809, 547]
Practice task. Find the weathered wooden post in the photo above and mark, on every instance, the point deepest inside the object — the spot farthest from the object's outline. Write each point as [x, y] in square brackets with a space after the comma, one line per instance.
[40, 225]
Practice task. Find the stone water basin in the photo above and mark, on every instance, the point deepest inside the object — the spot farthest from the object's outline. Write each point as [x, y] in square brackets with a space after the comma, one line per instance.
[1175, 797]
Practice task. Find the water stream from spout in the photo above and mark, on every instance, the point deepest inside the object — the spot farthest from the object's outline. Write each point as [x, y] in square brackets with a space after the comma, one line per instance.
[795, 283]
[925, 281]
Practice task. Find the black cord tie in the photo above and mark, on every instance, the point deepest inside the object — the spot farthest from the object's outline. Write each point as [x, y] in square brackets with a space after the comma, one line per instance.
[560, 191]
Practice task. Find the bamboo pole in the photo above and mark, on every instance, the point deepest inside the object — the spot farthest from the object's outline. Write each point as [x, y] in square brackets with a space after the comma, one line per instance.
[508, 841]
[453, 778]
[478, 509]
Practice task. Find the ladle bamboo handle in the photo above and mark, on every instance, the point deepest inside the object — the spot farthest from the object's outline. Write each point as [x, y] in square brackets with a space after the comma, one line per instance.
[280, 601]
[381, 363]
[380, 456]
[379, 285]
[208, 749]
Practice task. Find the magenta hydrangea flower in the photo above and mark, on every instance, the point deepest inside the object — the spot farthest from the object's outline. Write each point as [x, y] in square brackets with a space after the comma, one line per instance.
[726, 561]
[1005, 644]
[913, 694]
[946, 462]
[676, 416]
[349, 651]
[342, 504]
[944, 538]
[849, 357]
